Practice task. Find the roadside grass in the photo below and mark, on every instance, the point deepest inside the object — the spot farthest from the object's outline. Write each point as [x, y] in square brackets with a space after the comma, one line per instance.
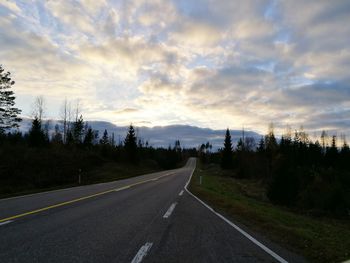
[110, 171]
[244, 201]
[116, 171]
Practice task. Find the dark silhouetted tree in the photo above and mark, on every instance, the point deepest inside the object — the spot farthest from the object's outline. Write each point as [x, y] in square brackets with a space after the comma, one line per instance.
[130, 145]
[89, 137]
[112, 140]
[271, 147]
[78, 130]
[324, 139]
[105, 139]
[8, 113]
[332, 152]
[261, 146]
[227, 152]
[36, 134]
[240, 145]
[57, 136]
[69, 138]
[177, 147]
[270, 140]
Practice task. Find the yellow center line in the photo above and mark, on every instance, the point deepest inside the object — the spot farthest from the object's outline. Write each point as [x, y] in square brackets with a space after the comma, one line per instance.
[79, 199]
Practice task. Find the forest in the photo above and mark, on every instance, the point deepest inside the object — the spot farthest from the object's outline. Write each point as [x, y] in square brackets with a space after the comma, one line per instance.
[298, 172]
[71, 155]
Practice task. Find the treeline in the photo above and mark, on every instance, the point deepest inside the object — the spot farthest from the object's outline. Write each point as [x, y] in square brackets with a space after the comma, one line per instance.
[39, 160]
[44, 159]
[312, 175]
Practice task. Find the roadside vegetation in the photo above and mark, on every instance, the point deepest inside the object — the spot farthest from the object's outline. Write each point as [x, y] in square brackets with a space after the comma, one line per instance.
[297, 172]
[295, 187]
[73, 153]
[293, 190]
[318, 239]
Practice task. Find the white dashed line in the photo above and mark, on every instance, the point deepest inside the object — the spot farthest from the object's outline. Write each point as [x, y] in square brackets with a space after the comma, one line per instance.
[170, 210]
[5, 223]
[181, 193]
[142, 252]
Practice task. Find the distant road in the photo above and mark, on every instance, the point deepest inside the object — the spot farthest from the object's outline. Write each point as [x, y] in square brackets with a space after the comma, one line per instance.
[150, 218]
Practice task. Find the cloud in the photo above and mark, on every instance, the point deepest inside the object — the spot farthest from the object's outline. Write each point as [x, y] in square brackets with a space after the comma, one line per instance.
[127, 110]
[130, 55]
[197, 34]
[72, 14]
[215, 64]
[11, 6]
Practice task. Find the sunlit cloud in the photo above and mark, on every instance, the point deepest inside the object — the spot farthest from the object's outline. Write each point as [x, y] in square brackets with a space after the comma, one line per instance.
[218, 64]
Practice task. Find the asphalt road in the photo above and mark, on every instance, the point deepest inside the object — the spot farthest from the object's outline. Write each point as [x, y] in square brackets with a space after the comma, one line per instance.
[150, 218]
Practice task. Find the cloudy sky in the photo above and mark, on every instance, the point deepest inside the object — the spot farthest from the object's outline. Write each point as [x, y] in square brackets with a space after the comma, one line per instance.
[206, 63]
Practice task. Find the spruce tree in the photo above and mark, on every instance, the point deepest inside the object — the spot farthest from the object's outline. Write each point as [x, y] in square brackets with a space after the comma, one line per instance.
[8, 113]
[105, 139]
[227, 152]
[69, 138]
[240, 145]
[36, 134]
[130, 145]
[78, 130]
[332, 152]
[261, 146]
[89, 137]
[57, 136]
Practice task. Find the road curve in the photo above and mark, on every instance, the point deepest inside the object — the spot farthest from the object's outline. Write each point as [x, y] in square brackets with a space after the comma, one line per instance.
[149, 218]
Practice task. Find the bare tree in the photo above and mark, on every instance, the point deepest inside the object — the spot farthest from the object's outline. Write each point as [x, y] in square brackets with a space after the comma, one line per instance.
[288, 133]
[77, 110]
[39, 108]
[343, 139]
[66, 118]
[304, 137]
[324, 140]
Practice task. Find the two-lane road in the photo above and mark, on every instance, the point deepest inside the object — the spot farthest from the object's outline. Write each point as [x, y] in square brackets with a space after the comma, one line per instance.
[149, 218]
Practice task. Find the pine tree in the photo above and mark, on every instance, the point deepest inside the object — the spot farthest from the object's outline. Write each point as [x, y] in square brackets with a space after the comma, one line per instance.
[270, 140]
[344, 155]
[78, 130]
[57, 136]
[227, 152]
[332, 152]
[261, 146]
[8, 113]
[105, 139]
[112, 140]
[324, 138]
[89, 137]
[177, 146]
[36, 134]
[130, 145]
[240, 145]
[69, 138]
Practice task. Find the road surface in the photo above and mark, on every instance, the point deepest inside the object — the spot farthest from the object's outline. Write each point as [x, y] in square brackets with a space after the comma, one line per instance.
[150, 218]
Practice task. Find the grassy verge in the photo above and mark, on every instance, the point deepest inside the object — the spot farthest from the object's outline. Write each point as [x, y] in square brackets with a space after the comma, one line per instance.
[108, 172]
[317, 239]
[116, 171]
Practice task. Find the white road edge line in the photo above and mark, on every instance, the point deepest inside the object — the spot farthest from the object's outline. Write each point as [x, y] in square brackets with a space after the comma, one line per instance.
[142, 252]
[181, 193]
[170, 210]
[256, 242]
[5, 223]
